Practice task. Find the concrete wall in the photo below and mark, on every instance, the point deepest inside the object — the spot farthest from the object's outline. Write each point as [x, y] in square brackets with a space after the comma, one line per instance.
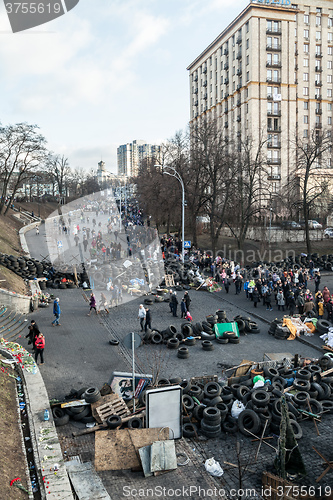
[277, 235]
[15, 301]
[22, 232]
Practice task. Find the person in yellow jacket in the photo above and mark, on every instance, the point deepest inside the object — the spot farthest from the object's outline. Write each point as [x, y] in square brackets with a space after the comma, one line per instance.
[320, 308]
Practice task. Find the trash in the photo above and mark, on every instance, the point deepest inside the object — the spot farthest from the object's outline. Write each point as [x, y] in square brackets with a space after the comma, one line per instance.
[259, 383]
[46, 414]
[257, 378]
[237, 408]
[213, 467]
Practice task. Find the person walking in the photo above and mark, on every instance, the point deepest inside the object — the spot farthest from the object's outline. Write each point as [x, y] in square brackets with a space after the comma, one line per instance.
[142, 316]
[39, 348]
[187, 299]
[103, 303]
[56, 312]
[92, 303]
[183, 308]
[148, 319]
[37, 230]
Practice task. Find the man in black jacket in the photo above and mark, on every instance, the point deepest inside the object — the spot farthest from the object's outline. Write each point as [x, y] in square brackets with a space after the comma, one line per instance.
[174, 303]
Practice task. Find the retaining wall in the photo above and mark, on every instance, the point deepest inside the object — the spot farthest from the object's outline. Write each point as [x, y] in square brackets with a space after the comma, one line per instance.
[15, 301]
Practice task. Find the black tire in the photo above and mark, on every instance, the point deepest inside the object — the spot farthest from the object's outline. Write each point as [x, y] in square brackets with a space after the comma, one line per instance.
[190, 341]
[270, 372]
[207, 336]
[301, 398]
[323, 325]
[316, 406]
[302, 385]
[176, 380]
[298, 432]
[209, 427]
[113, 342]
[92, 395]
[249, 420]
[189, 430]
[242, 391]
[113, 421]
[135, 423]
[303, 374]
[230, 427]
[207, 345]
[196, 391]
[327, 390]
[198, 412]
[183, 353]
[84, 413]
[327, 406]
[188, 402]
[60, 417]
[223, 409]
[211, 435]
[156, 339]
[187, 330]
[211, 414]
[163, 381]
[81, 392]
[221, 340]
[173, 343]
[212, 389]
[213, 401]
[318, 388]
[260, 398]
[75, 410]
[229, 335]
[314, 369]
[179, 336]
[185, 385]
[235, 340]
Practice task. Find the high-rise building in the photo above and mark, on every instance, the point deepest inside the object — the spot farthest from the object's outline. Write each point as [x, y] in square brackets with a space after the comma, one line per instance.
[269, 72]
[130, 155]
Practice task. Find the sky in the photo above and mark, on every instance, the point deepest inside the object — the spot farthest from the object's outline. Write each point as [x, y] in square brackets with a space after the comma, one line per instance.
[107, 72]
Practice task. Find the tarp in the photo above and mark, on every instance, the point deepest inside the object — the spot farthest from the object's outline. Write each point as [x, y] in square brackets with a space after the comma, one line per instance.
[220, 328]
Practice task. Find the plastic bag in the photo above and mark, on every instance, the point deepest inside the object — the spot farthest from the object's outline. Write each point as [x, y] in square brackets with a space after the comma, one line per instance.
[237, 408]
[259, 383]
[213, 467]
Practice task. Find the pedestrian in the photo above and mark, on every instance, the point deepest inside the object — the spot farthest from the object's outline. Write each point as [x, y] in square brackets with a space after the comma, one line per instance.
[268, 299]
[37, 230]
[300, 303]
[39, 348]
[31, 336]
[183, 308]
[329, 308]
[308, 306]
[187, 299]
[103, 303]
[280, 300]
[142, 316]
[320, 309]
[291, 303]
[56, 312]
[148, 319]
[175, 303]
[255, 296]
[226, 283]
[170, 301]
[92, 303]
[76, 239]
[317, 279]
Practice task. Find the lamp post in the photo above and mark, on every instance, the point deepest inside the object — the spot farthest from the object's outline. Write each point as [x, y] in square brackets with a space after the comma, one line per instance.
[177, 175]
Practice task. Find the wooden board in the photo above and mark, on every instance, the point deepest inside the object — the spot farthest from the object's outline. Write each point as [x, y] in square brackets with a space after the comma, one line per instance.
[276, 488]
[119, 449]
[169, 280]
[110, 404]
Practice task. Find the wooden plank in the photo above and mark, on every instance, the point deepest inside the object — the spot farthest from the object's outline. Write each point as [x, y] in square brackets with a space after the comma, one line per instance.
[108, 398]
[271, 487]
[118, 449]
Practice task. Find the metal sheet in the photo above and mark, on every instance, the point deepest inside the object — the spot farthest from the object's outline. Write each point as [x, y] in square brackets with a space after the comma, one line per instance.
[145, 457]
[86, 482]
[163, 456]
[164, 409]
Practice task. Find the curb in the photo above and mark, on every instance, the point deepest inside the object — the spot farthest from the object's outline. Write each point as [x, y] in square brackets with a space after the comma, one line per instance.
[22, 232]
[53, 485]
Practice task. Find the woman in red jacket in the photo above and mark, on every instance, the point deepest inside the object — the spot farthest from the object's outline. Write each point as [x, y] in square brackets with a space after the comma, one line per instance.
[39, 348]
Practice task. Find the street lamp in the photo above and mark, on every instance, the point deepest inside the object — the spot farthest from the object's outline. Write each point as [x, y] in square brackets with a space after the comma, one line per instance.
[177, 175]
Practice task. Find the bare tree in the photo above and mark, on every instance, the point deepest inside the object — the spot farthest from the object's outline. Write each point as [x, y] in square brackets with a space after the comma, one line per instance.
[22, 150]
[60, 172]
[312, 175]
[247, 188]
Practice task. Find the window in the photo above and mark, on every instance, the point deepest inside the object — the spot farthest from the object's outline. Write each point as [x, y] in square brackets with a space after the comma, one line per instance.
[329, 78]
[269, 58]
[306, 63]
[305, 133]
[318, 49]
[329, 51]
[247, 27]
[306, 119]
[330, 22]
[233, 86]
[233, 55]
[295, 32]
[269, 74]
[329, 37]
[306, 33]
[306, 105]
[329, 106]
[276, 58]
[305, 90]
[247, 76]
[247, 43]
[329, 120]
[329, 64]
[305, 77]
[318, 35]
[306, 18]
[247, 107]
[275, 75]
[247, 60]
[306, 48]
[318, 20]
[233, 71]
[247, 93]
[329, 92]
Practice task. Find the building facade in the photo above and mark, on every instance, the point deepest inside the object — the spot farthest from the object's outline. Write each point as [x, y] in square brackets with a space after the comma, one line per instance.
[130, 155]
[269, 74]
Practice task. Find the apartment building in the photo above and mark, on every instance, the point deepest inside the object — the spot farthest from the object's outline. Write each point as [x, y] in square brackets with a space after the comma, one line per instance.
[130, 155]
[269, 72]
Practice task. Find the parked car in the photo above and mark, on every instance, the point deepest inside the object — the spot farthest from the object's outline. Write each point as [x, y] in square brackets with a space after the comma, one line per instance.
[313, 224]
[328, 233]
[290, 224]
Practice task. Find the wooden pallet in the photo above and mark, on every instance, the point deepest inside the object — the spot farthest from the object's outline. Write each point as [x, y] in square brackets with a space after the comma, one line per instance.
[169, 280]
[111, 404]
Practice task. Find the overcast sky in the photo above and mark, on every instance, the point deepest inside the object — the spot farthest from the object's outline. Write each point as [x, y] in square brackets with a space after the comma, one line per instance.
[107, 72]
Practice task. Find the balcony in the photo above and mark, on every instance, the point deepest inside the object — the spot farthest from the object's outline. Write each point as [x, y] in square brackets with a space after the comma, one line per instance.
[205, 83]
[226, 125]
[318, 54]
[205, 108]
[273, 64]
[273, 80]
[238, 87]
[226, 66]
[296, 67]
[239, 71]
[272, 31]
[204, 70]
[274, 161]
[270, 96]
[239, 101]
[196, 103]
[318, 70]
[274, 177]
[239, 55]
[226, 109]
[274, 47]
[275, 130]
[318, 84]
[274, 145]
[195, 91]
[318, 125]
[205, 97]
[318, 111]
[195, 78]
[239, 133]
[318, 97]
[226, 81]
[226, 52]
[296, 52]
[274, 113]
[226, 96]
[239, 40]
[239, 118]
